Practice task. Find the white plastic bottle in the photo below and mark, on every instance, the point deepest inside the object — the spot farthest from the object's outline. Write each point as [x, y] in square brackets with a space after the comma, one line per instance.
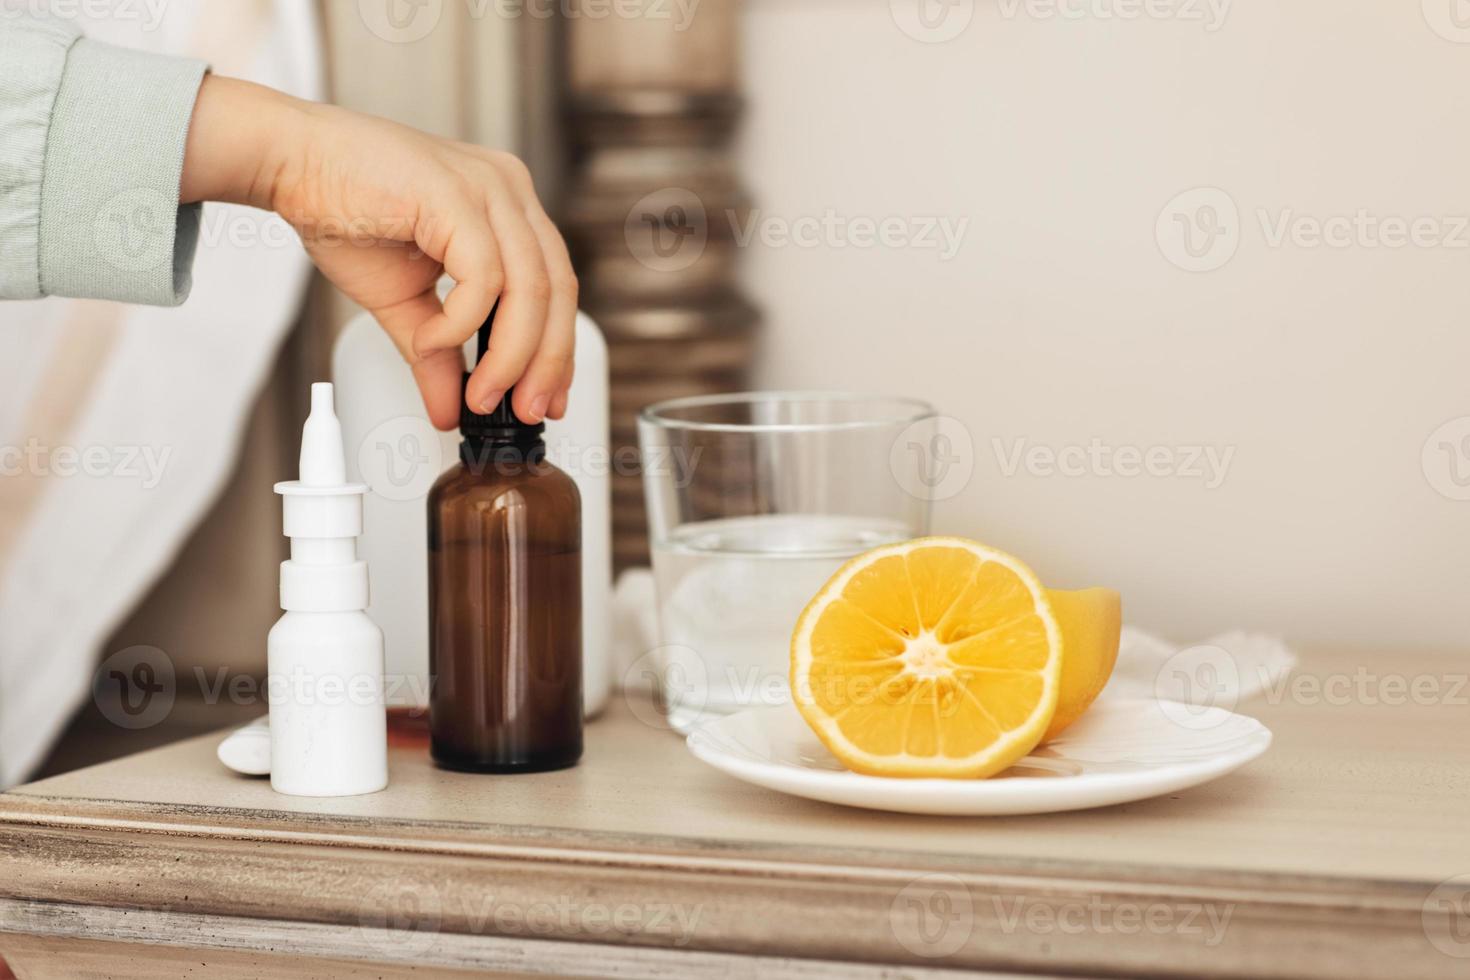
[328, 722]
[393, 448]
[581, 445]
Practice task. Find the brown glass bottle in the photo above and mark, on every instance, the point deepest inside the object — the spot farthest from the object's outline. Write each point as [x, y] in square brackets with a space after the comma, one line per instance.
[505, 603]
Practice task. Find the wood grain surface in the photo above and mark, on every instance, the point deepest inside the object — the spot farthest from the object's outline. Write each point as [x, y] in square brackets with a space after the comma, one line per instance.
[1320, 859]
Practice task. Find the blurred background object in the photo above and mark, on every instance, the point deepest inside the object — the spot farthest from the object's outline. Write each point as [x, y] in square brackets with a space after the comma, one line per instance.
[652, 105]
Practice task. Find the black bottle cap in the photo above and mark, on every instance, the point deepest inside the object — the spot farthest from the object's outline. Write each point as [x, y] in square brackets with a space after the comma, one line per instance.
[500, 426]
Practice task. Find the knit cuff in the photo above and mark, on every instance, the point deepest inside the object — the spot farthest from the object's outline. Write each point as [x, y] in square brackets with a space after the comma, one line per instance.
[111, 226]
[32, 61]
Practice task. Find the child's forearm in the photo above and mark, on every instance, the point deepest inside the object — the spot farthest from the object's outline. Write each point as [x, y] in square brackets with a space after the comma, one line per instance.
[239, 138]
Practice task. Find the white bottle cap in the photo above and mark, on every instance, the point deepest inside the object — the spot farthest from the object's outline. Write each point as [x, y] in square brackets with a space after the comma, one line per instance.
[323, 507]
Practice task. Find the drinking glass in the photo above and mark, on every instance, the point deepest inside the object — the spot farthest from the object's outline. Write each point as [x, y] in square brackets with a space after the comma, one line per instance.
[754, 501]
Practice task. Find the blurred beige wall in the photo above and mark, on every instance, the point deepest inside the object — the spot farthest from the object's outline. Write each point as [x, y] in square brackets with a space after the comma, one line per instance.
[1062, 319]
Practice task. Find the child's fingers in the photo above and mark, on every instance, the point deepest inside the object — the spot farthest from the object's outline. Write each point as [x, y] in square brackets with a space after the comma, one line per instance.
[489, 233]
[521, 319]
[546, 375]
[472, 259]
[537, 391]
[439, 377]
[402, 319]
[440, 373]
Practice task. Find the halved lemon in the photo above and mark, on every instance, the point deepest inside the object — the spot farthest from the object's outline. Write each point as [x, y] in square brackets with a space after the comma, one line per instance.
[935, 657]
[1092, 622]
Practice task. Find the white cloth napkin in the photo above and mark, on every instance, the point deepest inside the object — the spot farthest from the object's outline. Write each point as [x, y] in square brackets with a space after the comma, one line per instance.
[1223, 670]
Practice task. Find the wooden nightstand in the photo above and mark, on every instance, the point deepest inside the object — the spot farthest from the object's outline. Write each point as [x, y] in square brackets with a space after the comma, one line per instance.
[1320, 860]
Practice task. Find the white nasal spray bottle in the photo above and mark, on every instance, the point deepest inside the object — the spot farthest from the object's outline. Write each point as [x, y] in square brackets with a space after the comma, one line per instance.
[328, 723]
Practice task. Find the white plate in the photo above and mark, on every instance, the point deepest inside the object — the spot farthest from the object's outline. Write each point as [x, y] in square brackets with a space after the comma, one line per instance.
[1120, 751]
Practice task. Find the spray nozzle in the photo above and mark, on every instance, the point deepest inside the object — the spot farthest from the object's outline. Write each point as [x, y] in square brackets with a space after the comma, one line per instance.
[322, 515]
[323, 462]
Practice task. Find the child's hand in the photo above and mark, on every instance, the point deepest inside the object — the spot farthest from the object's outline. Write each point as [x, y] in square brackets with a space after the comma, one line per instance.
[384, 210]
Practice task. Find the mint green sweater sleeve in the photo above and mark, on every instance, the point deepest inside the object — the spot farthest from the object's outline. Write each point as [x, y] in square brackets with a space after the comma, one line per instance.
[91, 152]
